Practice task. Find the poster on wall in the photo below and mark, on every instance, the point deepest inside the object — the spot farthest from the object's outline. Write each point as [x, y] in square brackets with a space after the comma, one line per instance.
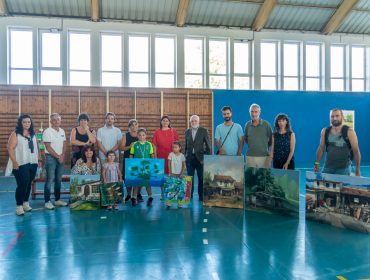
[111, 193]
[272, 190]
[339, 200]
[144, 172]
[177, 190]
[85, 192]
[348, 118]
[223, 181]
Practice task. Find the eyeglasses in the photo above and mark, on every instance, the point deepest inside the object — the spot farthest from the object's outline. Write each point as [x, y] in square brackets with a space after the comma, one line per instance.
[30, 144]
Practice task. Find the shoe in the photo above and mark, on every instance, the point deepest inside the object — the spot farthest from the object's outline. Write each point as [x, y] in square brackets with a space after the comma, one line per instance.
[133, 202]
[140, 198]
[60, 203]
[27, 207]
[109, 207]
[127, 198]
[150, 201]
[49, 205]
[19, 210]
[116, 206]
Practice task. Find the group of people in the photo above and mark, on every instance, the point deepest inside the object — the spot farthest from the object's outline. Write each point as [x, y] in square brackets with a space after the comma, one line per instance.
[265, 148]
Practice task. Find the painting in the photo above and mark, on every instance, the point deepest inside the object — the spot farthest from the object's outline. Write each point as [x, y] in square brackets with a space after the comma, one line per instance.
[85, 192]
[177, 190]
[223, 181]
[111, 193]
[339, 200]
[272, 190]
[145, 172]
[348, 118]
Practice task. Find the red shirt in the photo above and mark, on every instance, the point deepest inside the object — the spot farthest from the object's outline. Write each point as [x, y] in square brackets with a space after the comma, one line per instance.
[163, 139]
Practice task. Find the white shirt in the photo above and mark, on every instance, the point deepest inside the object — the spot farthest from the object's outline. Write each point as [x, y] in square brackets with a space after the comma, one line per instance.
[176, 162]
[56, 139]
[108, 136]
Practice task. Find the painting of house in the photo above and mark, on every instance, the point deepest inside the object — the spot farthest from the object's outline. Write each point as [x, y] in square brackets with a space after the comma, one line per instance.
[85, 192]
[223, 181]
[339, 200]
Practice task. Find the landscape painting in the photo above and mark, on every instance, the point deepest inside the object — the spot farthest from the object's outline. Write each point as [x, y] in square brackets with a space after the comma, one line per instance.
[145, 172]
[223, 181]
[339, 200]
[111, 193]
[177, 190]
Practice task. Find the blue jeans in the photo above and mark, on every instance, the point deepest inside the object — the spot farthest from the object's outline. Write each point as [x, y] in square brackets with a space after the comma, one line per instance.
[343, 171]
[54, 171]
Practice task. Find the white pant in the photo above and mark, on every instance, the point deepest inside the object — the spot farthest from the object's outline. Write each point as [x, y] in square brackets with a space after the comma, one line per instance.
[258, 162]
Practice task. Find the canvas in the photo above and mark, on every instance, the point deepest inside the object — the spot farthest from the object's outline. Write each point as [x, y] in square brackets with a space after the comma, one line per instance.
[177, 190]
[339, 200]
[272, 190]
[144, 172]
[85, 192]
[223, 181]
[111, 193]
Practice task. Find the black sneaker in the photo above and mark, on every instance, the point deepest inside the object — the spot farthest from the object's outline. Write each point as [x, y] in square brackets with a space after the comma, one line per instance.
[140, 198]
[150, 201]
[133, 202]
[127, 198]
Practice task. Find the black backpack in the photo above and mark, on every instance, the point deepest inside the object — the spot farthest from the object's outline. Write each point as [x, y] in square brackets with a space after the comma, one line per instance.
[344, 132]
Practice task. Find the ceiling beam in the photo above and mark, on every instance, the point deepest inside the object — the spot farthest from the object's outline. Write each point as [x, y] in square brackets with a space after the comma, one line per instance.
[95, 10]
[3, 9]
[263, 14]
[182, 12]
[337, 19]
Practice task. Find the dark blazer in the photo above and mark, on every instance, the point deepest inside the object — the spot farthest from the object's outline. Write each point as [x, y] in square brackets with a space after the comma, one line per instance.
[201, 144]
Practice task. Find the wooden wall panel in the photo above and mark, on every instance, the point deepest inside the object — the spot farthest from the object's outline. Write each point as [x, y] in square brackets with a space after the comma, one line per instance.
[122, 104]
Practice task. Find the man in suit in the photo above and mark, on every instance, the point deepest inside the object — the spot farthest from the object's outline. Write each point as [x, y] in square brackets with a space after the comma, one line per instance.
[197, 144]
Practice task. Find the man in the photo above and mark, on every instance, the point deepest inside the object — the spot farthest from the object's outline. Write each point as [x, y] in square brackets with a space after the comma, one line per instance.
[229, 135]
[109, 137]
[258, 136]
[197, 144]
[340, 143]
[54, 139]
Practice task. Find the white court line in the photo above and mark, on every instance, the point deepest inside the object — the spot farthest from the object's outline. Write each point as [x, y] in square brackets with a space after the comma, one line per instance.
[205, 220]
[207, 212]
[215, 276]
[204, 229]
[205, 241]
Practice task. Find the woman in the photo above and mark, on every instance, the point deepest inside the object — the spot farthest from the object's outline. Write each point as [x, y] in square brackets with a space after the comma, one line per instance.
[163, 139]
[24, 155]
[81, 136]
[88, 164]
[283, 143]
[128, 140]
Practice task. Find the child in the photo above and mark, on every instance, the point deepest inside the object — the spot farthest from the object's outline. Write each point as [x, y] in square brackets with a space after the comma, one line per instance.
[111, 173]
[176, 165]
[142, 149]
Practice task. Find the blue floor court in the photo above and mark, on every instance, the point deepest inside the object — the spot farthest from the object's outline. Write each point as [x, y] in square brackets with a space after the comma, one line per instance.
[194, 243]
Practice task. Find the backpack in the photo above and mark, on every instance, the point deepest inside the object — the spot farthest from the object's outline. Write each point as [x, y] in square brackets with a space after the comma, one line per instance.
[344, 132]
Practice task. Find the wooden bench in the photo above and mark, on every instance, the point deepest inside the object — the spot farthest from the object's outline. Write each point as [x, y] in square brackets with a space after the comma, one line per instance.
[34, 192]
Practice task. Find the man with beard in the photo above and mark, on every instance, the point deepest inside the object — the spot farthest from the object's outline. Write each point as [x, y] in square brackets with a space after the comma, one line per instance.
[197, 144]
[258, 136]
[109, 137]
[229, 135]
[340, 143]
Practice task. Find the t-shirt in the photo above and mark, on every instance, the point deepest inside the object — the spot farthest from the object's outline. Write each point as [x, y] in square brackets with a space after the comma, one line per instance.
[56, 139]
[231, 145]
[259, 138]
[176, 162]
[108, 136]
[142, 150]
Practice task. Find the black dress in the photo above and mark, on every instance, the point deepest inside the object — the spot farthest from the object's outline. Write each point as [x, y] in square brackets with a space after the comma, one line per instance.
[282, 150]
[76, 150]
[129, 139]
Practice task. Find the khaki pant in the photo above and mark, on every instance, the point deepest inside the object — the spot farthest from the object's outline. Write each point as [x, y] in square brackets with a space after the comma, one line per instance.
[259, 162]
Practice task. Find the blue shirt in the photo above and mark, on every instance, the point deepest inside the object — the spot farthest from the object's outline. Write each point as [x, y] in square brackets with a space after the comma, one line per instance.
[231, 145]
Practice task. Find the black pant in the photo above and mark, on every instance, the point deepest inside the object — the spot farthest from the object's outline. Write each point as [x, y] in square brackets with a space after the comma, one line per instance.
[278, 164]
[192, 165]
[24, 177]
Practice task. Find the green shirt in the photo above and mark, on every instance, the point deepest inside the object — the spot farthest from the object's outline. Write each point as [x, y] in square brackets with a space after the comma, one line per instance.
[142, 150]
[259, 138]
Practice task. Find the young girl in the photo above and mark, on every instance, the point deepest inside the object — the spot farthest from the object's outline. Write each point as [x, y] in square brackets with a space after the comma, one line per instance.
[111, 173]
[142, 149]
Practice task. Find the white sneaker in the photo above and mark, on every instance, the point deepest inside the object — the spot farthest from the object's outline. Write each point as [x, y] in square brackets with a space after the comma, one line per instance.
[27, 207]
[49, 205]
[19, 210]
[60, 203]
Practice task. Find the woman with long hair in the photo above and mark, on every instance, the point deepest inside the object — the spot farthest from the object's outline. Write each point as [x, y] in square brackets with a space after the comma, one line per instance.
[88, 164]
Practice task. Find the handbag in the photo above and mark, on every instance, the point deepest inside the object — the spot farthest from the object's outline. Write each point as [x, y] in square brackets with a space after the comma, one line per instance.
[9, 168]
[218, 151]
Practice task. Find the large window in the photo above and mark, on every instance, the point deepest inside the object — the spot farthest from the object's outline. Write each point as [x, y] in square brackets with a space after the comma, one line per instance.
[194, 62]
[50, 59]
[138, 61]
[337, 68]
[79, 59]
[218, 64]
[165, 62]
[269, 65]
[241, 65]
[111, 60]
[358, 68]
[21, 56]
[291, 66]
[313, 67]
